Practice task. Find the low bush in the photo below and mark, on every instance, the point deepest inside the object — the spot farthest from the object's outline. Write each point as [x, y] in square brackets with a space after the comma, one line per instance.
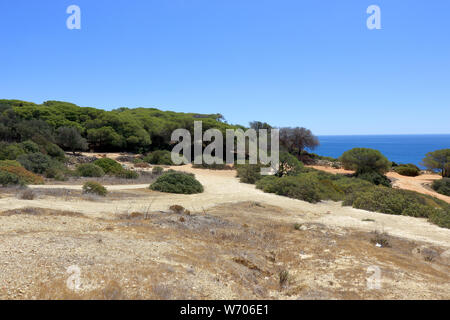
[214, 163]
[127, 174]
[30, 146]
[54, 151]
[35, 162]
[375, 178]
[108, 165]
[288, 165]
[401, 202]
[160, 157]
[27, 194]
[248, 173]
[409, 170]
[141, 165]
[8, 179]
[440, 217]
[313, 185]
[89, 170]
[96, 188]
[157, 170]
[9, 163]
[177, 182]
[303, 187]
[10, 151]
[442, 186]
[56, 173]
[214, 166]
[381, 238]
[23, 175]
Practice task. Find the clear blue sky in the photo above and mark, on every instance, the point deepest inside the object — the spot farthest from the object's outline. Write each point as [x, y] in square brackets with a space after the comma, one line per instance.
[291, 63]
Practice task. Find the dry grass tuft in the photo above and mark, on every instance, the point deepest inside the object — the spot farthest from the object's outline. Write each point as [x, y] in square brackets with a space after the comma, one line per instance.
[27, 194]
[40, 212]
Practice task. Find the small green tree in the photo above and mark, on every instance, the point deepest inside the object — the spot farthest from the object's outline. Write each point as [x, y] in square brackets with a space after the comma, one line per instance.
[364, 160]
[295, 140]
[438, 161]
[71, 139]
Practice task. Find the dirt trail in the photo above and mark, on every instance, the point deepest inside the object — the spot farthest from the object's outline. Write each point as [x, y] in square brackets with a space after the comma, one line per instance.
[223, 187]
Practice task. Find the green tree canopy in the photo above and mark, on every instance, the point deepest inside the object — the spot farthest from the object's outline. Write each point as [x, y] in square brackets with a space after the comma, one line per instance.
[295, 140]
[70, 138]
[438, 161]
[364, 160]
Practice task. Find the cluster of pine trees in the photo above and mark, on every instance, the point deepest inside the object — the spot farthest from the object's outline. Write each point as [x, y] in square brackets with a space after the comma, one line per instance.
[75, 128]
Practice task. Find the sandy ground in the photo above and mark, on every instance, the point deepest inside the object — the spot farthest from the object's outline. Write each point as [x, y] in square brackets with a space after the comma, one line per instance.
[234, 244]
[222, 187]
[419, 184]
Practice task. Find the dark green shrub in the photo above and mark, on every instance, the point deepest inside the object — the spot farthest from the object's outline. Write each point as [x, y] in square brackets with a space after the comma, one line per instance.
[127, 174]
[9, 179]
[25, 176]
[365, 160]
[160, 157]
[323, 186]
[302, 187]
[54, 151]
[157, 170]
[177, 182]
[96, 188]
[35, 162]
[90, 170]
[289, 165]
[409, 170]
[267, 184]
[401, 202]
[10, 151]
[9, 163]
[375, 178]
[248, 173]
[56, 173]
[30, 146]
[109, 166]
[213, 166]
[440, 217]
[352, 185]
[442, 186]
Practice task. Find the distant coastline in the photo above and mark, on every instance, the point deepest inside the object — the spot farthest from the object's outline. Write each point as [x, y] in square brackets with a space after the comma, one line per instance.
[400, 148]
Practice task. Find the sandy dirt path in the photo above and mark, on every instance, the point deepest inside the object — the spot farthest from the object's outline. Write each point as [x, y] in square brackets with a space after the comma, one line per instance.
[223, 187]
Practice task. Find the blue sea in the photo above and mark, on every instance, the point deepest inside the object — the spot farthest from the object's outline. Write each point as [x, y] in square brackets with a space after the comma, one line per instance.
[397, 148]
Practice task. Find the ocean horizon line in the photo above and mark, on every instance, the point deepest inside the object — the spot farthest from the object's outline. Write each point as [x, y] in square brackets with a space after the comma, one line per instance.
[383, 134]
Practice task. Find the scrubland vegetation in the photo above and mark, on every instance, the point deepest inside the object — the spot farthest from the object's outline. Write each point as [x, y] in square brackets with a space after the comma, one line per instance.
[367, 189]
[409, 170]
[34, 137]
[442, 186]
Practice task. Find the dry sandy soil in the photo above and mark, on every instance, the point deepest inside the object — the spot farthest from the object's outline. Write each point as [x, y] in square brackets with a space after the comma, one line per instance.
[236, 243]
